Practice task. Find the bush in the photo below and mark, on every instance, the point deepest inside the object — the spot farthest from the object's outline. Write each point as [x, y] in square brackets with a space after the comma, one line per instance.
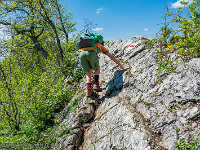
[182, 145]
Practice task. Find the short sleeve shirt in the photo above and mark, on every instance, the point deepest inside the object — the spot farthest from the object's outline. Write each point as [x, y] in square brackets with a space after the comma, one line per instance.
[102, 48]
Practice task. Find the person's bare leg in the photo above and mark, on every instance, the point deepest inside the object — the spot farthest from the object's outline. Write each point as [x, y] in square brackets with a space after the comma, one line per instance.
[97, 72]
[89, 84]
[96, 80]
[88, 76]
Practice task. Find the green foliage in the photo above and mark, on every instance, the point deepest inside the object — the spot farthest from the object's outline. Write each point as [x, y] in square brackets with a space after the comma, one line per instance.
[31, 85]
[73, 106]
[106, 42]
[149, 44]
[106, 61]
[184, 3]
[182, 145]
[187, 35]
[79, 74]
[175, 106]
[177, 129]
[184, 40]
[65, 129]
[165, 33]
[40, 26]
[37, 95]
[165, 65]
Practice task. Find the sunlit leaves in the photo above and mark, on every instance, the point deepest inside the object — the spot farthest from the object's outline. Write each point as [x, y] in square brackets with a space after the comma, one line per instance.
[168, 14]
[35, 82]
[188, 23]
[184, 3]
[33, 18]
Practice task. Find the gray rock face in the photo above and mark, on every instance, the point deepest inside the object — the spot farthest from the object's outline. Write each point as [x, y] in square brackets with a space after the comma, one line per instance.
[136, 112]
[116, 126]
[71, 131]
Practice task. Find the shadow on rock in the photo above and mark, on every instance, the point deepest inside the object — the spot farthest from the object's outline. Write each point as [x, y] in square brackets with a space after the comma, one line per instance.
[115, 85]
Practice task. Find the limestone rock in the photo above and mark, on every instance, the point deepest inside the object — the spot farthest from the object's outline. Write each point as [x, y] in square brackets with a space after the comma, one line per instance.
[137, 113]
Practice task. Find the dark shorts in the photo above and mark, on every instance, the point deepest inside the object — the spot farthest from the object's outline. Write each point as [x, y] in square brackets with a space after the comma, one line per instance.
[89, 60]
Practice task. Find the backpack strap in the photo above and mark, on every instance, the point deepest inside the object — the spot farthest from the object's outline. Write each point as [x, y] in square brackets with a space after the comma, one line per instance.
[93, 36]
[98, 50]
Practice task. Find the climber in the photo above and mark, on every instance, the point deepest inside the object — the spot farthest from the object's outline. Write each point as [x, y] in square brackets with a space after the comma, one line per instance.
[90, 60]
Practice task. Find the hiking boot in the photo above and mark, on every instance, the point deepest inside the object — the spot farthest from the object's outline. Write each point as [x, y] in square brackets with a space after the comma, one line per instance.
[89, 92]
[97, 88]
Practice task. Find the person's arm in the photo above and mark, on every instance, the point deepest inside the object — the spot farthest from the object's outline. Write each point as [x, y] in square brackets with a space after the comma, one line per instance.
[116, 60]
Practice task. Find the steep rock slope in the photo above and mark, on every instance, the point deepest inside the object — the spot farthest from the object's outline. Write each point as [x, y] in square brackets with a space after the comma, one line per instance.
[136, 113]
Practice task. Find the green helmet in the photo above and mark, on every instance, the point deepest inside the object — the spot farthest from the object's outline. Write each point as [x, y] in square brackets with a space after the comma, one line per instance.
[99, 38]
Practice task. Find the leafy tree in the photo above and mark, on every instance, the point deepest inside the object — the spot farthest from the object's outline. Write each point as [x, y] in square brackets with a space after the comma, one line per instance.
[31, 84]
[33, 20]
[186, 35]
[189, 26]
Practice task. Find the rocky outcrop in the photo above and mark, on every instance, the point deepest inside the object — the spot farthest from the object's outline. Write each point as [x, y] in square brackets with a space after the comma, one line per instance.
[134, 112]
